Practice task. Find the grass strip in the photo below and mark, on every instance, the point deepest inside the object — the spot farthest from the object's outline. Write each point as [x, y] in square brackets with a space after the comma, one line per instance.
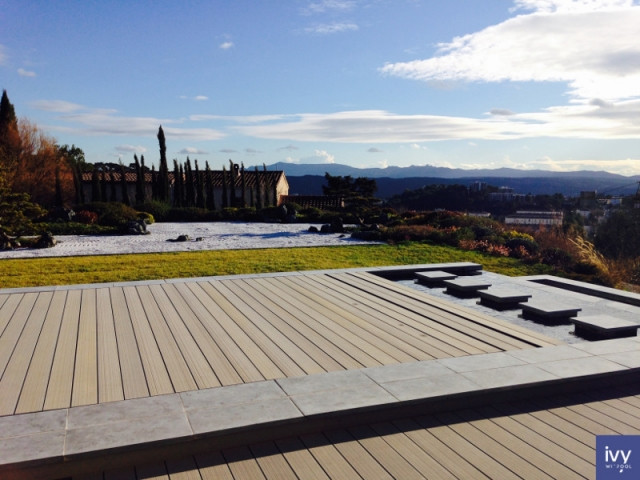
[153, 266]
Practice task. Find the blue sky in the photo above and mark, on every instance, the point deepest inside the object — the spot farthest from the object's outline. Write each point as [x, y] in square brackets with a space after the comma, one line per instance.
[529, 84]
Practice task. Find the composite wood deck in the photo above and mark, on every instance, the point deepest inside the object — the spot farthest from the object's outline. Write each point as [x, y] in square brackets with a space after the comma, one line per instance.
[82, 346]
[542, 439]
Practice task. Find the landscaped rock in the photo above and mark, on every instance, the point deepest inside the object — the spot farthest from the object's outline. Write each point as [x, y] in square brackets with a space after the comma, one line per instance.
[45, 240]
[180, 238]
[137, 227]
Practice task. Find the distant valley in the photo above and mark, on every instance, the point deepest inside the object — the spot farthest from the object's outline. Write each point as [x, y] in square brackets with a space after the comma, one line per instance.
[308, 179]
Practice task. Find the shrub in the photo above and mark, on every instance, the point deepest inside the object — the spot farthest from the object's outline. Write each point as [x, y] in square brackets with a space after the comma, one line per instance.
[147, 217]
[86, 217]
[113, 214]
[158, 210]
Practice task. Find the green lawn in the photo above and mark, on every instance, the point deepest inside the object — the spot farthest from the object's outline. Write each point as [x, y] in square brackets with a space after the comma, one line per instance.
[118, 268]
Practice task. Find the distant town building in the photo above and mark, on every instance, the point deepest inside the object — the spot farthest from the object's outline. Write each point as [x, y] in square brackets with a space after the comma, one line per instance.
[506, 194]
[533, 218]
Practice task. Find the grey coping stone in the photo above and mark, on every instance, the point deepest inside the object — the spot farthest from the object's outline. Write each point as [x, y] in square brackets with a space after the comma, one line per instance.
[206, 420]
[127, 433]
[405, 371]
[628, 359]
[577, 367]
[509, 376]
[323, 381]
[426, 387]
[549, 308]
[32, 448]
[548, 354]
[466, 284]
[107, 413]
[484, 361]
[232, 395]
[604, 347]
[504, 295]
[30, 423]
[347, 398]
[435, 277]
[605, 322]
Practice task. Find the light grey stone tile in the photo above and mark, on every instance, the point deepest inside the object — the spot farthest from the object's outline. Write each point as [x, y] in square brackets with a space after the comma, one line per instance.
[353, 397]
[130, 432]
[482, 361]
[323, 381]
[30, 423]
[548, 354]
[429, 387]
[628, 359]
[579, 367]
[603, 347]
[510, 376]
[38, 446]
[405, 371]
[207, 420]
[232, 395]
[102, 413]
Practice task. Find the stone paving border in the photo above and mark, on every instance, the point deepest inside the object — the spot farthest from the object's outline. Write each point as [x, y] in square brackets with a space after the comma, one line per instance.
[81, 437]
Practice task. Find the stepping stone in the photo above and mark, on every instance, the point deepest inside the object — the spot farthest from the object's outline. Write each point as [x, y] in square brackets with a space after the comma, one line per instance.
[600, 327]
[465, 286]
[434, 278]
[548, 312]
[502, 298]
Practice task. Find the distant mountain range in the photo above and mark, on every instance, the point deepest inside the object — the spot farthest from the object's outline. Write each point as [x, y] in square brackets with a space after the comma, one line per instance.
[307, 179]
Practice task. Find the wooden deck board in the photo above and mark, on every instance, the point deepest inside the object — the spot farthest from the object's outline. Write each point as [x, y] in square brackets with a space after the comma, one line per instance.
[109, 376]
[184, 329]
[17, 365]
[15, 325]
[510, 329]
[444, 341]
[134, 383]
[85, 379]
[35, 385]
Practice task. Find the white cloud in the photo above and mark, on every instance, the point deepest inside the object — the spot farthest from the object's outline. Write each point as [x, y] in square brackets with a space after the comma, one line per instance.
[26, 73]
[377, 126]
[131, 148]
[589, 44]
[82, 120]
[374, 150]
[325, 156]
[201, 98]
[289, 147]
[226, 45]
[192, 151]
[330, 28]
[328, 5]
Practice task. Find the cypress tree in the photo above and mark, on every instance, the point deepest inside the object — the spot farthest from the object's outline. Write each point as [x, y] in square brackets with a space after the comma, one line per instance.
[124, 193]
[182, 186]
[139, 180]
[112, 184]
[103, 187]
[243, 186]
[163, 170]
[211, 199]
[154, 184]
[191, 193]
[177, 184]
[199, 188]
[225, 201]
[259, 204]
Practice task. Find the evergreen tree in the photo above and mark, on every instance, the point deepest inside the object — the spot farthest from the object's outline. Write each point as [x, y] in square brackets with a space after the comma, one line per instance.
[9, 141]
[123, 185]
[177, 184]
[112, 184]
[154, 184]
[182, 187]
[139, 179]
[225, 201]
[208, 178]
[199, 188]
[103, 186]
[163, 170]
[190, 190]
[243, 186]
[259, 203]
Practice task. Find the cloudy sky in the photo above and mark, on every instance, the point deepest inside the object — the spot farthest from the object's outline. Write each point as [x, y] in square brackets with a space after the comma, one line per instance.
[550, 84]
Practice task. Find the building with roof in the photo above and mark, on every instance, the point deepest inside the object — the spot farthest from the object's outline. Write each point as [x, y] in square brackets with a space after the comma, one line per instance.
[341, 374]
[257, 187]
[534, 218]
